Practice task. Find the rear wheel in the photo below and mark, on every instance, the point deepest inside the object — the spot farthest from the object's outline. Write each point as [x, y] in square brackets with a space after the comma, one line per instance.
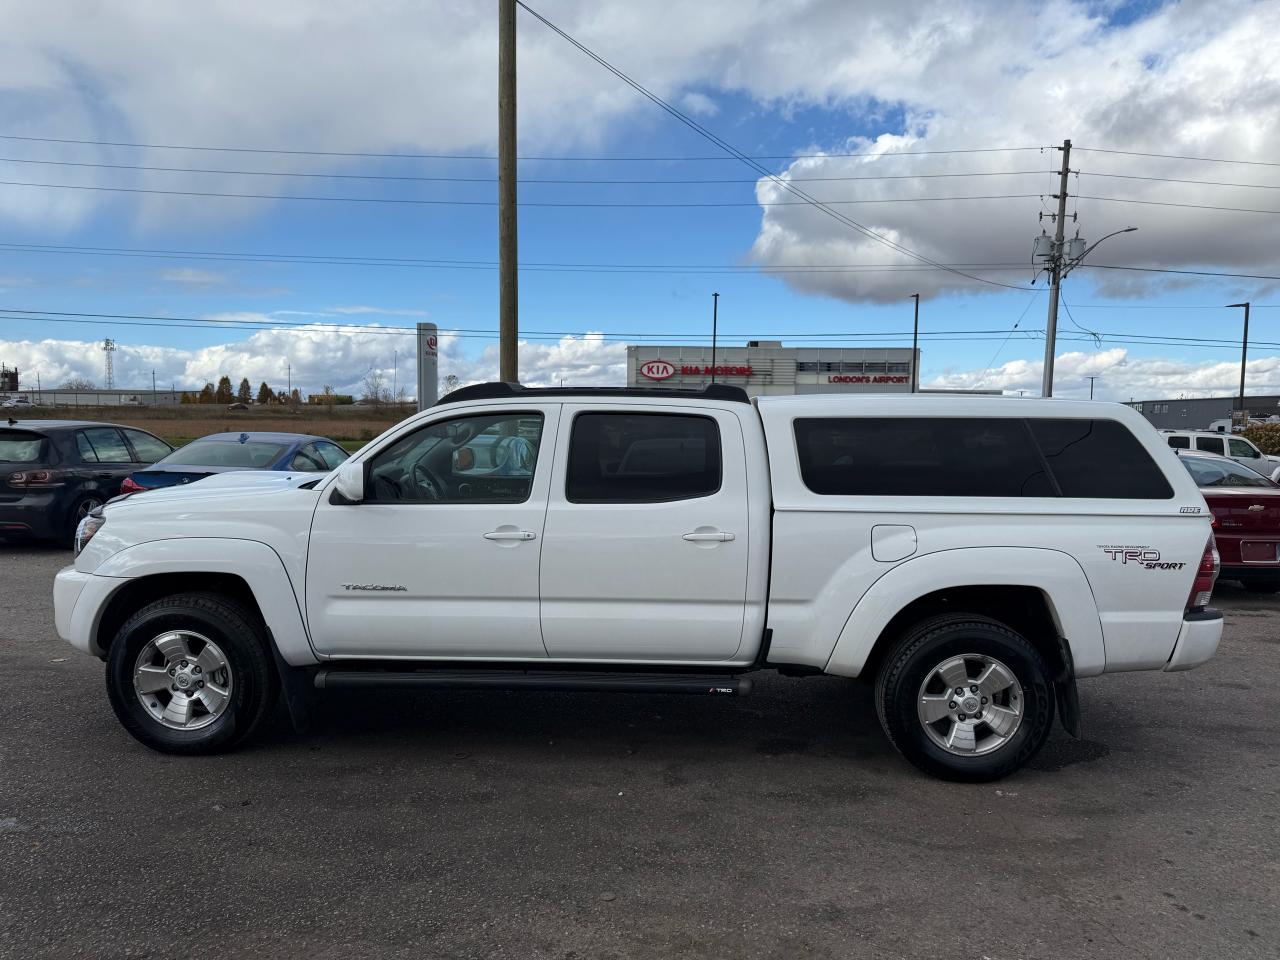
[965, 698]
[191, 674]
[83, 507]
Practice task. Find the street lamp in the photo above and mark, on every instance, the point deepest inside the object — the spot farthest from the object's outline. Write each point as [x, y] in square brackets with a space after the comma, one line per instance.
[1058, 269]
[1244, 349]
[915, 346]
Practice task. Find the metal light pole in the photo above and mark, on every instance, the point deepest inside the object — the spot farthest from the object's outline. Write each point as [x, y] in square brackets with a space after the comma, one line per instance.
[1091, 379]
[1244, 350]
[915, 347]
[715, 316]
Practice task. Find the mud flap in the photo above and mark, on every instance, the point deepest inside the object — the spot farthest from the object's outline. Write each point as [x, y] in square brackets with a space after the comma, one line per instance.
[1068, 697]
[296, 690]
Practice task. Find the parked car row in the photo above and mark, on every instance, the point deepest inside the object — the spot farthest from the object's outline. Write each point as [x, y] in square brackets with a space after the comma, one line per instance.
[53, 473]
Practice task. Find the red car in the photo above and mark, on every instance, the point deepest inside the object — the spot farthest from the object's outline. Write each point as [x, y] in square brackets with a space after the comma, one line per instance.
[1246, 519]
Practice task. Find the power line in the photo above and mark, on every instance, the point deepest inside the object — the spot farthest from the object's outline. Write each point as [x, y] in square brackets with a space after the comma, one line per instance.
[472, 156]
[523, 203]
[1175, 156]
[1005, 341]
[1170, 203]
[1203, 183]
[733, 151]
[1194, 273]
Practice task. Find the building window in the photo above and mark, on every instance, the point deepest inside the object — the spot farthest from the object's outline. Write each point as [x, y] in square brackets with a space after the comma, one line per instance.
[899, 366]
[806, 366]
[874, 366]
[851, 366]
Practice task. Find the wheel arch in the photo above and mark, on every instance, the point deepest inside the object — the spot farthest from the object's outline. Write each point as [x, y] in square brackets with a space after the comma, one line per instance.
[1042, 594]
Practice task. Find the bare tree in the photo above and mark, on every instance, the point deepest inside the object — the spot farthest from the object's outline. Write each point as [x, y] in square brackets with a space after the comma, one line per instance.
[374, 385]
[78, 383]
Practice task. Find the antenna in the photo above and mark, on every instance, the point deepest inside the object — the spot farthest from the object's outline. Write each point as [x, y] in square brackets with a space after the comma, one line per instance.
[109, 348]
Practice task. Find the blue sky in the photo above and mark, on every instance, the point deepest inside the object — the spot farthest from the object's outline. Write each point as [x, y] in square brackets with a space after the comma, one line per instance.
[1140, 78]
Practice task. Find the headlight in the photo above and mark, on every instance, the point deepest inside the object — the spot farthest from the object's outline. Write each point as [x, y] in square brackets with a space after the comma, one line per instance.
[87, 527]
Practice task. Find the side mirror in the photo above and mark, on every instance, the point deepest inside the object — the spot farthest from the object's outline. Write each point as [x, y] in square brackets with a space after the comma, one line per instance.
[350, 482]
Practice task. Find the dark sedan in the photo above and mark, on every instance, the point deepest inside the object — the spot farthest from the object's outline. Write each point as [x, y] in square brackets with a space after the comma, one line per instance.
[224, 452]
[53, 472]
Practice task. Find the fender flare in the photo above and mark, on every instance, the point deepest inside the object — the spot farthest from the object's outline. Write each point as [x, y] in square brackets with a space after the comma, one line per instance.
[254, 562]
[1056, 574]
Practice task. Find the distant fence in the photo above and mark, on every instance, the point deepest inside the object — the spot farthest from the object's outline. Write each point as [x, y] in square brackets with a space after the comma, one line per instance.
[101, 398]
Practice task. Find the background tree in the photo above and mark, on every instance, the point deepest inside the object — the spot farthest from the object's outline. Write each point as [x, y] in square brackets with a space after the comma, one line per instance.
[451, 383]
[245, 393]
[374, 387]
[187, 397]
[264, 393]
[224, 393]
[206, 393]
[297, 397]
[77, 383]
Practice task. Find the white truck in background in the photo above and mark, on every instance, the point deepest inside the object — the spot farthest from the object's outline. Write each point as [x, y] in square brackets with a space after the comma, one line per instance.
[972, 556]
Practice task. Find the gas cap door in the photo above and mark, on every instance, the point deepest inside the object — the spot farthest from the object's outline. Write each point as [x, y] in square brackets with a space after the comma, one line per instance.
[891, 542]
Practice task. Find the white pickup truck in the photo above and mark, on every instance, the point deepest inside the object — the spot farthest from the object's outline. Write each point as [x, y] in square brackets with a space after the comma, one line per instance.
[972, 556]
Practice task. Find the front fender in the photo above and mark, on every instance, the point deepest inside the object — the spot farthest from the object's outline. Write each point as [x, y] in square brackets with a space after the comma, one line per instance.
[1056, 574]
[254, 562]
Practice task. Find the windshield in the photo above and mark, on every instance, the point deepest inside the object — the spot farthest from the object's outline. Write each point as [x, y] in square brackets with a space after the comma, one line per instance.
[1223, 473]
[17, 446]
[226, 453]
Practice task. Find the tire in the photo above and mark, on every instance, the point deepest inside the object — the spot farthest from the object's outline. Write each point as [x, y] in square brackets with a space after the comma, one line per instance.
[910, 684]
[219, 641]
[1262, 586]
[79, 510]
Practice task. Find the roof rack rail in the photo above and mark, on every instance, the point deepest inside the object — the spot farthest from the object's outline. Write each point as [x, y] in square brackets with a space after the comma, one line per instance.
[500, 389]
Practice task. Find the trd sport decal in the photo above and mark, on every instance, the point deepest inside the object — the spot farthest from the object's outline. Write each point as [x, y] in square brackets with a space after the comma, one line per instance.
[1148, 558]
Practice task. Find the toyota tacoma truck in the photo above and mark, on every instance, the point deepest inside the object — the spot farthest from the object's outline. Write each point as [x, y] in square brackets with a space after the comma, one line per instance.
[971, 556]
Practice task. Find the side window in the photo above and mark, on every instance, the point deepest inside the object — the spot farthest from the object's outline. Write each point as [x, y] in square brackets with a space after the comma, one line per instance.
[148, 448]
[85, 448]
[1210, 445]
[920, 457]
[1099, 459]
[1240, 448]
[488, 458]
[108, 445]
[332, 455]
[642, 458]
[1180, 443]
[307, 459]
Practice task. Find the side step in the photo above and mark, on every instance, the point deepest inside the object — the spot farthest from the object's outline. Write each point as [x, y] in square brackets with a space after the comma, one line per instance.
[364, 679]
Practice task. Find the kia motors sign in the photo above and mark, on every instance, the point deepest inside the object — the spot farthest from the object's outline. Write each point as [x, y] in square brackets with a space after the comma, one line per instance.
[657, 370]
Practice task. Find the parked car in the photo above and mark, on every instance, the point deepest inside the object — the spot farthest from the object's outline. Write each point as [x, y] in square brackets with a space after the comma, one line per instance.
[1237, 448]
[225, 452]
[54, 472]
[1246, 514]
[968, 554]
[17, 403]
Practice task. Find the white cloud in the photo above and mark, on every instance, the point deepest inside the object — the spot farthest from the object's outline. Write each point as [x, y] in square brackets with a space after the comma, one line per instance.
[384, 311]
[192, 277]
[699, 104]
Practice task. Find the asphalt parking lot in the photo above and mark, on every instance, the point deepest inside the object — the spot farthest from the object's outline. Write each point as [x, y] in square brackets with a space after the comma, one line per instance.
[568, 826]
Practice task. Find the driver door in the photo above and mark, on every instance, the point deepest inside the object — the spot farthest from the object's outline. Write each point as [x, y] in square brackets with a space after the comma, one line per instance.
[441, 557]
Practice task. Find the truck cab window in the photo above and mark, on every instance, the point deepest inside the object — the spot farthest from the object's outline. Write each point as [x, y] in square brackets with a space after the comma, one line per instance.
[479, 459]
[642, 458]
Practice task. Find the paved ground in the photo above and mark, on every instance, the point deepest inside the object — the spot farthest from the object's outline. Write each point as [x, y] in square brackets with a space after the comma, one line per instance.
[582, 826]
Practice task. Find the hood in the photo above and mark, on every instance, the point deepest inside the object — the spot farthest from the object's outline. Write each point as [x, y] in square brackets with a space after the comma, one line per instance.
[230, 486]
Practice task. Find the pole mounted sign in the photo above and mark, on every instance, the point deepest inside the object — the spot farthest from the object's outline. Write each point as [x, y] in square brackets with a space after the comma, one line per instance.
[428, 365]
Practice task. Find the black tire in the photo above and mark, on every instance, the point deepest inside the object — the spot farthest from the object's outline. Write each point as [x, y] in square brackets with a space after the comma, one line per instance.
[1262, 586]
[79, 510]
[929, 644]
[240, 637]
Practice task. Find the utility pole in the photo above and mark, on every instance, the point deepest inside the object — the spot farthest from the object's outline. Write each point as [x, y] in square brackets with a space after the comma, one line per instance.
[1055, 276]
[154, 400]
[289, 373]
[395, 372]
[1244, 352]
[508, 289]
[715, 316]
[915, 346]
[1091, 379]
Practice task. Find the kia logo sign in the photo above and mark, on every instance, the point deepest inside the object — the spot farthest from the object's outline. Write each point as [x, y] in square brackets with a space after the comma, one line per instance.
[657, 370]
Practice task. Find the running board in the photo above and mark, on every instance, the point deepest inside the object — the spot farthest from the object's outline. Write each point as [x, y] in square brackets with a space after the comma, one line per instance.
[428, 679]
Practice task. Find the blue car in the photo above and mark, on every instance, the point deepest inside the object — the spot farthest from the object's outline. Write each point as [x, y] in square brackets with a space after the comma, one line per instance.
[224, 452]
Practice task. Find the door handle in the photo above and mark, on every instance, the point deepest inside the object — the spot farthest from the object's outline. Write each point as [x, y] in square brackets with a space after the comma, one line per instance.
[510, 535]
[105, 476]
[709, 537]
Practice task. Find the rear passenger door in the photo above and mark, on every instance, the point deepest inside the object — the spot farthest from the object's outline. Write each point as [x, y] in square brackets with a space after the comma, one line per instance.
[107, 457]
[644, 555]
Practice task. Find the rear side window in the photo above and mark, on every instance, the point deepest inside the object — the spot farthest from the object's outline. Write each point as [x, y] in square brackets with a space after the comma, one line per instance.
[920, 457]
[18, 446]
[975, 457]
[1211, 445]
[642, 458]
[106, 445]
[1099, 459]
[148, 448]
[1180, 443]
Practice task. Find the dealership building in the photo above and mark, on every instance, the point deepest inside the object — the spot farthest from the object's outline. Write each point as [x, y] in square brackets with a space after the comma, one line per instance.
[767, 368]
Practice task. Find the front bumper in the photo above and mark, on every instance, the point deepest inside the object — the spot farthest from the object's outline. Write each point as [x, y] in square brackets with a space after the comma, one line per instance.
[1197, 640]
[78, 601]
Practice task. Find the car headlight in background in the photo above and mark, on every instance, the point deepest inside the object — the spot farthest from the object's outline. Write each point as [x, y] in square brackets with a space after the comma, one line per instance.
[87, 527]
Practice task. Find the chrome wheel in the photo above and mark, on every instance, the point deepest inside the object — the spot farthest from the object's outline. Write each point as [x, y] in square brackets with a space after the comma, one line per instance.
[970, 705]
[87, 506]
[183, 680]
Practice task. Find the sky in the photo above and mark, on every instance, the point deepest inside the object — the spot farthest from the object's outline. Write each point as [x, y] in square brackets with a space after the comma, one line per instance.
[365, 133]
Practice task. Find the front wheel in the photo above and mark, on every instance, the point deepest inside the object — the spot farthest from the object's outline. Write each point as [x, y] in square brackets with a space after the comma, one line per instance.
[191, 674]
[965, 698]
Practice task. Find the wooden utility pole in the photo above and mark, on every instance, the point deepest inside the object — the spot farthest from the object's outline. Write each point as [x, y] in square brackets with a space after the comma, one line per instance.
[508, 289]
[1055, 276]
